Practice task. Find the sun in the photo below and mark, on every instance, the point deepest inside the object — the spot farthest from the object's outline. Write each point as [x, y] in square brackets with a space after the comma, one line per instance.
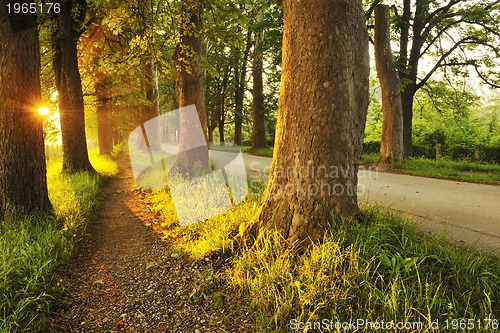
[43, 111]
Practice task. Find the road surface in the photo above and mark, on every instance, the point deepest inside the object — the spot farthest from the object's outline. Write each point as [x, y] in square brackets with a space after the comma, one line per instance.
[464, 212]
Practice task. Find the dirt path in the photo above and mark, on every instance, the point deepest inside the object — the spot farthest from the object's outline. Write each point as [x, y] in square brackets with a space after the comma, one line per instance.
[124, 278]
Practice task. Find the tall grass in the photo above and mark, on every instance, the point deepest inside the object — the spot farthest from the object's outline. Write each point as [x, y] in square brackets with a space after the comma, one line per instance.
[31, 248]
[380, 270]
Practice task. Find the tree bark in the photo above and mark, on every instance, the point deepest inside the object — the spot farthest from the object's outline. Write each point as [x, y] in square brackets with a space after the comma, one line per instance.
[23, 183]
[391, 145]
[240, 81]
[321, 118]
[408, 64]
[69, 85]
[259, 116]
[190, 78]
[104, 113]
[221, 122]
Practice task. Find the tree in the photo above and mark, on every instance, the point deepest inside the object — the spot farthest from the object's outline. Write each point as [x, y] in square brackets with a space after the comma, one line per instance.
[391, 145]
[190, 79]
[321, 118]
[68, 24]
[217, 86]
[259, 117]
[23, 184]
[150, 79]
[458, 34]
[240, 86]
[102, 83]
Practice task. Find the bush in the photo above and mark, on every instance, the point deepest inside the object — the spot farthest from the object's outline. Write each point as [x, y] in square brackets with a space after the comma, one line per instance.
[371, 147]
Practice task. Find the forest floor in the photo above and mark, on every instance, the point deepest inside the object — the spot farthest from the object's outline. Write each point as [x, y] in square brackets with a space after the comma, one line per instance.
[124, 278]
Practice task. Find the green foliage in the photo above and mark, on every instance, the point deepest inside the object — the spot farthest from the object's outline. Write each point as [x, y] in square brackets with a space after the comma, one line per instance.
[457, 119]
[32, 248]
[373, 128]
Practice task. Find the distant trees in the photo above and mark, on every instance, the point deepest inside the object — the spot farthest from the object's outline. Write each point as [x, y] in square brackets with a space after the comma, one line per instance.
[23, 186]
[240, 85]
[321, 118]
[68, 24]
[238, 51]
[454, 34]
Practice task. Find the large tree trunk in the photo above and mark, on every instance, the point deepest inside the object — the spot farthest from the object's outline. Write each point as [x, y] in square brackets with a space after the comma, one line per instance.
[240, 81]
[321, 118]
[259, 116]
[23, 183]
[69, 85]
[391, 145]
[190, 78]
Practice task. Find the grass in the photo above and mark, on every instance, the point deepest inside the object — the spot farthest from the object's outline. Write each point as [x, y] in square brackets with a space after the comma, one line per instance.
[383, 269]
[455, 170]
[31, 248]
[369, 158]
[467, 171]
[266, 152]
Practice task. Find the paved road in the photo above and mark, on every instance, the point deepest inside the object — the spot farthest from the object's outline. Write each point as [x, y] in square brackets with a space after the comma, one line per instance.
[465, 212]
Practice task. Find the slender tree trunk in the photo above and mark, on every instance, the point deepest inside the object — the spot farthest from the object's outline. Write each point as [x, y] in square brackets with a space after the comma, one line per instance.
[408, 64]
[321, 118]
[404, 75]
[69, 86]
[102, 89]
[190, 83]
[23, 183]
[151, 90]
[391, 145]
[259, 116]
[407, 97]
[221, 122]
[240, 81]
[104, 113]
[152, 108]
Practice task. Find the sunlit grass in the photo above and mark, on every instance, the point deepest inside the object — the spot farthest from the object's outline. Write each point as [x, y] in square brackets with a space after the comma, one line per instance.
[31, 248]
[382, 269]
[266, 152]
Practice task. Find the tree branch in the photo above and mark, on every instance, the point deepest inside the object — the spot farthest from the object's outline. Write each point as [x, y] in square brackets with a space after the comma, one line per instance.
[486, 80]
[370, 10]
[441, 60]
[440, 33]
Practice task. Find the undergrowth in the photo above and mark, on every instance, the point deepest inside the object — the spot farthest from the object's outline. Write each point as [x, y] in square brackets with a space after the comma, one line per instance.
[31, 248]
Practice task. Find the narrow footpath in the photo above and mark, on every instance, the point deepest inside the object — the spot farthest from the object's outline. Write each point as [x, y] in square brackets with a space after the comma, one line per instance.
[124, 278]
